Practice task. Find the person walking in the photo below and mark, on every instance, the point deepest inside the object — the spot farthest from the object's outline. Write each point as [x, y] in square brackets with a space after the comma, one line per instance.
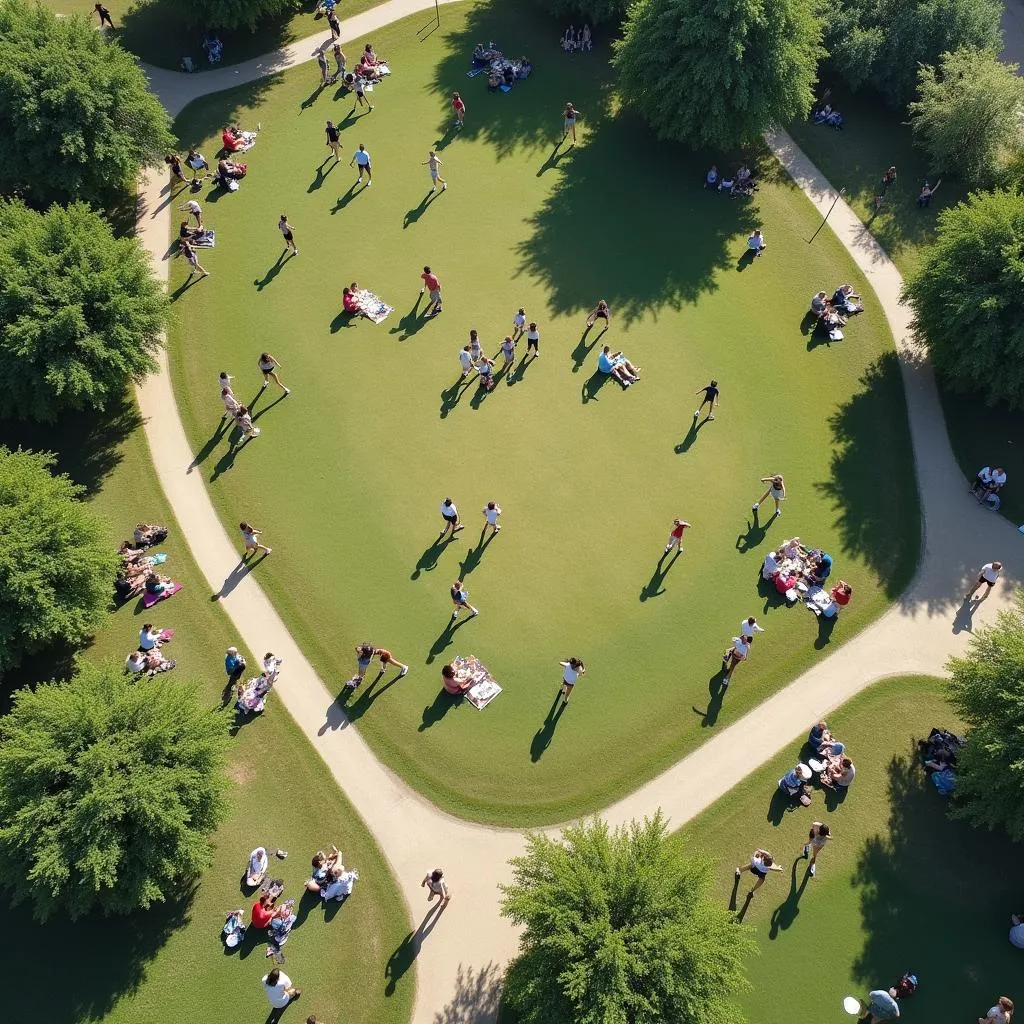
[761, 865]
[288, 232]
[532, 340]
[491, 512]
[339, 62]
[194, 210]
[186, 249]
[819, 835]
[460, 598]
[710, 399]
[466, 361]
[434, 162]
[243, 420]
[508, 352]
[450, 515]
[572, 669]
[750, 626]
[325, 72]
[459, 106]
[519, 324]
[776, 491]
[431, 282]
[675, 538]
[332, 20]
[569, 117]
[359, 88]
[988, 576]
[268, 365]
[733, 656]
[436, 886]
[333, 140]
[387, 658]
[600, 312]
[279, 990]
[251, 539]
[362, 161]
[231, 404]
[174, 162]
[104, 15]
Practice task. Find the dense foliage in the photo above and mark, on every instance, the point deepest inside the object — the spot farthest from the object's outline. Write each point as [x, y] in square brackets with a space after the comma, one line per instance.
[620, 926]
[109, 790]
[232, 14]
[594, 12]
[968, 293]
[719, 74]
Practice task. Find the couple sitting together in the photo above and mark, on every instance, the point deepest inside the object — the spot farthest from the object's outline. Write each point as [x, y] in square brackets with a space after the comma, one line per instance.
[618, 366]
[741, 184]
[151, 662]
[329, 878]
[237, 141]
[835, 769]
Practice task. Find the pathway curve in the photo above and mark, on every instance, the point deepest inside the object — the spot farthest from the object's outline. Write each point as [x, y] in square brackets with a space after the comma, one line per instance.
[458, 964]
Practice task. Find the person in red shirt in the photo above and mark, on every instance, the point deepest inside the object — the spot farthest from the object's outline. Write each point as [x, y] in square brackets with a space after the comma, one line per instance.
[232, 142]
[459, 106]
[675, 538]
[262, 912]
[430, 281]
[841, 593]
[349, 302]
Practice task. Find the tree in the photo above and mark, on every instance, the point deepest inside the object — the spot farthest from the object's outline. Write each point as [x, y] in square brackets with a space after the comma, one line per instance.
[77, 118]
[968, 116]
[881, 42]
[596, 12]
[987, 690]
[56, 566]
[967, 295]
[81, 315]
[718, 74]
[232, 14]
[620, 926]
[109, 790]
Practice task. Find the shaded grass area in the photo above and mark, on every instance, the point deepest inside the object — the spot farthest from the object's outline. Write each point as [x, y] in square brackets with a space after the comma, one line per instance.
[379, 427]
[898, 887]
[133, 969]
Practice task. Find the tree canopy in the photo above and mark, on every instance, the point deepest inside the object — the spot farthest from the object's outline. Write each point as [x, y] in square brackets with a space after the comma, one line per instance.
[109, 790]
[967, 295]
[881, 42]
[967, 117]
[596, 12]
[77, 118]
[620, 926]
[56, 566]
[987, 689]
[81, 315]
[232, 14]
[718, 74]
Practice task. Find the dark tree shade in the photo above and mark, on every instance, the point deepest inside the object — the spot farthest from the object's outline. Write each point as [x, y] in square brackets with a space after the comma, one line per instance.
[596, 12]
[56, 567]
[231, 14]
[81, 316]
[77, 119]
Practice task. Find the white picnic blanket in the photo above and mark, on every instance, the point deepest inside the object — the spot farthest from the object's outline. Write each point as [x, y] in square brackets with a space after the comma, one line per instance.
[375, 308]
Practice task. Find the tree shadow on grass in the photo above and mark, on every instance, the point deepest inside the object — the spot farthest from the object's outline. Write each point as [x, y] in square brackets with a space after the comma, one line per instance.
[205, 118]
[477, 996]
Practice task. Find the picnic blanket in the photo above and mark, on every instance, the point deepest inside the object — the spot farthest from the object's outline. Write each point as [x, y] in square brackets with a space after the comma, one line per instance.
[373, 306]
[207, 240]
[149, 600]
[484, 688]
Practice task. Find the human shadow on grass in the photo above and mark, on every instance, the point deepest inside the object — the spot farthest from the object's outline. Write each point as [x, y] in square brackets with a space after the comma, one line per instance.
[275, 269]
[227, 460]
[756, 531]
[481, 394]
[653, 587]
[413, 322]
[477, 996]
[546, 733]
[716, 695]
[445, 637]
[785, 914]
[692, 434]
[474, 555]
[365, 695]
[311, 99]
[428, 560]
[413, 215]
[345, 198]
[190, 281]
[826, 626]
[583, 348]
[592, 385]
[522, 366]
[321, 174]
[409, 948]
[451, 396]
[280, 398]
[222, 428]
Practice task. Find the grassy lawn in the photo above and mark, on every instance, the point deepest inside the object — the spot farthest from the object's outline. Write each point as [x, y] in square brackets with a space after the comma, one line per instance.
[901, 887]
[131, 970]
[349, 471]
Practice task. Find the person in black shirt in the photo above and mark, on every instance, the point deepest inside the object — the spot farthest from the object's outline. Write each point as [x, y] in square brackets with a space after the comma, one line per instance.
[710, 399]
[104, 15]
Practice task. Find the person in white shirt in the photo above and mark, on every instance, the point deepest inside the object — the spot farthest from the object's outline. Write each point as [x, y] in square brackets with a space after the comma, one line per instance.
[474, 345]
[340, 883]
[231, 404]
[271, 666]
[149, 637]
[761, 864]
[989, 575]
[491, 513]
[279, 990]
[571, 671]
[734, 655]
[982, 482]
[532, 340]
[1001, 1013]
[519, 324]
[224, 381]
[998, 479]
[748, 627]
[508, 351]
[466, 362]
[756, 243]
[437, 886]
[194, 210]
[450, 515]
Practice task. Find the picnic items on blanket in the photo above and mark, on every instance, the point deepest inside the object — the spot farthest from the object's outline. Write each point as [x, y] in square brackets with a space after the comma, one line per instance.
[252, 695]
[234, 929]
[484, 688]
[373, 306]
[149, 600]
[205, 239]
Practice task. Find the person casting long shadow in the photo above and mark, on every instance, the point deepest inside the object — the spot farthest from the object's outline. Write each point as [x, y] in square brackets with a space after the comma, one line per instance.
[691, 436]
[754, 535]
[716, 694]
[546, 733]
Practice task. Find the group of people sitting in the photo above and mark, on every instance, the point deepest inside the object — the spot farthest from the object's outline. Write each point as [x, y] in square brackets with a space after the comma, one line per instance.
[987, 485]
[251, 694]
[832, 313]
[740, 184]
[940, 756]
[618, 366]
[794, 570]
[572, 40]
[826, 115]
[501, 71]
[148, 657]
[827, 761]
[136, 572]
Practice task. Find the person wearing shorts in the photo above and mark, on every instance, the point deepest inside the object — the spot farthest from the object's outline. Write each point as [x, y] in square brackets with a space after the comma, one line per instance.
[572, 669]
[733, 656]
[333, 139]
[569, 122]
[675, 538]
[988, 576]
[508, 352]
[532, 340]
[286, 230]
[710, 399]
[460, 599]
[194, 210]
[364, 655]
[436, 886]
[819, 835]
[362, 161]
[186, 250]
[519, 324]
[776, 491]
[491, 513]
[387, 658]
[600, 311]
[450, 515]
[268, 365]
[434, 162]
[251, 539]
[761, 865]
[431, 282]
[174, 162]
[359, 87]
[466, 362]
[197, 162]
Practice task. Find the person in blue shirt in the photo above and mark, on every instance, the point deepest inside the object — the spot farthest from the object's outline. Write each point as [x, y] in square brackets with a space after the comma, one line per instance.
[618, 366]
[711, 178]
[234, 665]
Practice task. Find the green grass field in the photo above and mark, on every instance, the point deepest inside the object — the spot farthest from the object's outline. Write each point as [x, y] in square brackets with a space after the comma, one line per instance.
[901, 886]
[160, 965]
[349, 471]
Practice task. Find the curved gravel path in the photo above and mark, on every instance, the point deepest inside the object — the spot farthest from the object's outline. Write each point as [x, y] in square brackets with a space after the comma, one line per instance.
[459, 961]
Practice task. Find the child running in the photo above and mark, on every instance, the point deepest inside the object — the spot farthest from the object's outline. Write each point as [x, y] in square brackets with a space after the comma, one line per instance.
[250, 537]
[710, 399]
[268, 365]
[675, 538]
[491, 513]
[460, 598]
[508, 351]
[776, 490]
[434, 162]
[572, 669]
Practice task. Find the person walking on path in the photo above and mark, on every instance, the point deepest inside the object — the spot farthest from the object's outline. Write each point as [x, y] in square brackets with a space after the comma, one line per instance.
[251, 539]
[268, 365]
[333, 140]
[459, 106]
[572, 669]
[819, 835]
[174, 162]
[460, 598]
[761, 864]
[491, 513]
[431, 282]
[988, 576]
[194, 210]
[434, 162]
[288, 232]
[279, 990]
[776, 491]
[733, 656]
[362, 161]
[569, 122]
[675, 538]
[186, 249]
[710, 399]
[104, 15]
[600, 312]
[325, 73]
[450, 515]
[436, 886]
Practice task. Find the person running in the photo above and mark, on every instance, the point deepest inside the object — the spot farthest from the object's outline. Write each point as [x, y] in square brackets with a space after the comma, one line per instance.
[434, 162]
[491, 513]
[675, 538]
[710, 399]
[333, 140]
[819, 835]
[519, 324]
[104, 15]
[362, 161]
[569, 122]
[194, 210]
[359, 88]
[185, 249]
[600, 312]
[450, 515]
[268, 365]
[387, 658]
[251, 539]
[532, 340]
[174, 162]
[750, 626]
[988, 576]
[733, 656]
[286, 230]
[436, 886]
[508, 352]
[460, 599]
[776, 491]
[431, 282]
[325, 71]
[761, 864]
[466, 361]
[459, 106]
[572, 669]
